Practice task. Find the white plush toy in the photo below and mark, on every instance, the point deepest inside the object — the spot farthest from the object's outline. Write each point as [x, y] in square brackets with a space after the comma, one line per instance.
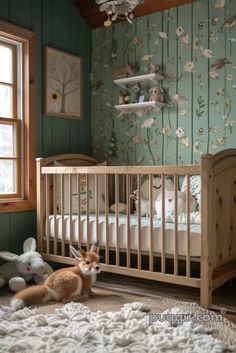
[22, 268]
[145, 204]
[170, 203]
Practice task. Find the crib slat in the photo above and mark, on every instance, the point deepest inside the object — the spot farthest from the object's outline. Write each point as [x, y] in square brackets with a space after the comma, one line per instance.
[70, 208]
[163, 248]
[176, 186]
[117, 219]
[128, 219]
[188, 227]
[87, 213]
[96, 207]
[107, 218]
[139, 219]
[151, 222]
[55, 214]
[79, 209]
[176, 183]
[47, 215]
[62, 216]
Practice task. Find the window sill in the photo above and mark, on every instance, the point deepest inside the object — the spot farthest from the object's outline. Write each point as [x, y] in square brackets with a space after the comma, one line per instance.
[16, 206]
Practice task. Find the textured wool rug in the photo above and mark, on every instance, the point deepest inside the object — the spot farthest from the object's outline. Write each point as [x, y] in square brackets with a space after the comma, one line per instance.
[75, 328]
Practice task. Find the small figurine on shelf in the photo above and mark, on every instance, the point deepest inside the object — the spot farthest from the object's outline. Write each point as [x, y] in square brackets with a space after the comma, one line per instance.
[122, 71]
[123, 98]
[157, 94]
[134, 93]
[154, 69]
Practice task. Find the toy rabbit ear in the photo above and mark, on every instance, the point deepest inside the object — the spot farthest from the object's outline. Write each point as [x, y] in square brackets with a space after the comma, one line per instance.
[95, 247]
[77, 253]
[169, 185]
[8, 256]
[48, 269]
[29, 245]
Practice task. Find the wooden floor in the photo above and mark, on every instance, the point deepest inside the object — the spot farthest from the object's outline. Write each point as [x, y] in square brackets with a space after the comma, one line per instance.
[223, 298]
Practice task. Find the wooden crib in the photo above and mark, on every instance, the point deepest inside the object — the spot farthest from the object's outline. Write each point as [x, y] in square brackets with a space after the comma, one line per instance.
[201, 256]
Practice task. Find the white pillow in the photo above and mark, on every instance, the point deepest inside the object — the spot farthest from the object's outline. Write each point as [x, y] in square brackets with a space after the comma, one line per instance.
[83, 192]
[195, 188]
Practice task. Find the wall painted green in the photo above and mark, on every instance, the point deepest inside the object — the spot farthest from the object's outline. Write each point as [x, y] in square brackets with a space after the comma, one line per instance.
[188, 59]
[58, 24]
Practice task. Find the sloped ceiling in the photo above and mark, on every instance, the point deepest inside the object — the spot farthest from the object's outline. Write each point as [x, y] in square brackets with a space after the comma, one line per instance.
[89, 10]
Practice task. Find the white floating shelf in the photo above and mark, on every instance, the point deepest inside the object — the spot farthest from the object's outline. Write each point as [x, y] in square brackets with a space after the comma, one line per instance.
[122, 82]
[143, 105]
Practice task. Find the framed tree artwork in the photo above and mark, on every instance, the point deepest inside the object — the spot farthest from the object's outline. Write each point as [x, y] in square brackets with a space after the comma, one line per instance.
[63, 84]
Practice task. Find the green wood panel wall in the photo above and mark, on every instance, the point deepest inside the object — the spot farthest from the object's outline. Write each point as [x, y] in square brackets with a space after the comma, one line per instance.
[195, 47]
[58, 24]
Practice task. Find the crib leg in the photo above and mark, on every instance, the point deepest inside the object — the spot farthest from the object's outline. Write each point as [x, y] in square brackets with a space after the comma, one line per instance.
[205, 295]
[206, 285]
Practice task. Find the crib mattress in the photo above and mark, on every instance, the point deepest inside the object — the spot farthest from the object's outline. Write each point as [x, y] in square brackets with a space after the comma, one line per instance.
[195, 233]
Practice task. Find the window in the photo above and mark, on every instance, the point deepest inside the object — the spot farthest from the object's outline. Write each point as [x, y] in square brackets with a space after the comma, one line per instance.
[17, 118]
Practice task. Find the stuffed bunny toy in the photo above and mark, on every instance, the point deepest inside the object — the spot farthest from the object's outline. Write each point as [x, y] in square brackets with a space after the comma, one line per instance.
[145, 203]
[22, 268]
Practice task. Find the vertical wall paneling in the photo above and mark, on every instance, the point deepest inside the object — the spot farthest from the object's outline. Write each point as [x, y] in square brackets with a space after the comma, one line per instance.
[60, 35]
[230, 80]
[20, 12]
[4, 9]
[5, 237]
[166, 22]
[201, 79]
[22, 226]
[83, 49]
[164, 30]
[156, 47]
[217, 85]
[185, 85]
[118, 56]
[47, 40]
[36, 20]
[114, 122]
[74, 48]
[170, 85]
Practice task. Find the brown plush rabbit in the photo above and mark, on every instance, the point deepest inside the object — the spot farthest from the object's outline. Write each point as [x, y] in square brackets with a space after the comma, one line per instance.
[66, 284]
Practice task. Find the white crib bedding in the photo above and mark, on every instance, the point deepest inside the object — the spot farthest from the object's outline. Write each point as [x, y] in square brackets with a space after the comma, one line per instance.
[195, 233]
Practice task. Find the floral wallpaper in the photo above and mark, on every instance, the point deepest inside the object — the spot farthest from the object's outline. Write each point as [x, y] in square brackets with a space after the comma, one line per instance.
[194, 48]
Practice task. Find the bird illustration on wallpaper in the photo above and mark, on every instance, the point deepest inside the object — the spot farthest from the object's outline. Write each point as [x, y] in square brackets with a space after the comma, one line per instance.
[228, 23]
[219, 4]
[220, 63]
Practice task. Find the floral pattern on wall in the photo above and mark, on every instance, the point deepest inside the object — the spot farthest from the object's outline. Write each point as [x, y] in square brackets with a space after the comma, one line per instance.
[194, 47]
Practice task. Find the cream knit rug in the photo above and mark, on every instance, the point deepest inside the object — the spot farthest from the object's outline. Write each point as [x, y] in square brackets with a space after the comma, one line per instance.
[73, 328]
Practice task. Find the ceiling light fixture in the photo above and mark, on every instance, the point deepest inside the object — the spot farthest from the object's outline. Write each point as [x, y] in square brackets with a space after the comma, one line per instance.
[118, 9]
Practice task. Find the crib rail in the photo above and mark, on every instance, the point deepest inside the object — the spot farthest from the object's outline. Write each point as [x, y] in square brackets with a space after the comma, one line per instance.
[135, 170]
[122, 247]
